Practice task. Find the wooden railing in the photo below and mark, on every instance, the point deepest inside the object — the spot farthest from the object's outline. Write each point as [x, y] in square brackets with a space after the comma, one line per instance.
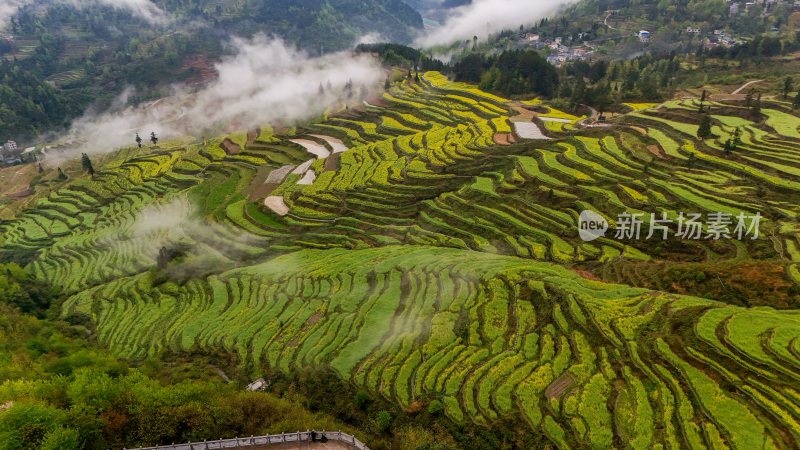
[300, 436]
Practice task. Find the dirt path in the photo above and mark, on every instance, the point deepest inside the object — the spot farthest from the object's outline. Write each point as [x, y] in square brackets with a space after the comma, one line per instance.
[554, 119]
[522, 112]
[745, 86]
[593, 117]
[605, 22]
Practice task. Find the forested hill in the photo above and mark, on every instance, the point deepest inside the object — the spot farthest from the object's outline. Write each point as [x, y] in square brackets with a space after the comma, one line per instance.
[73, 57]
[336, 24]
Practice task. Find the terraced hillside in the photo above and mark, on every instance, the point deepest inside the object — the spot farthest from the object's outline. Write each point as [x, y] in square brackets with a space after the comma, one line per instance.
[424, 249]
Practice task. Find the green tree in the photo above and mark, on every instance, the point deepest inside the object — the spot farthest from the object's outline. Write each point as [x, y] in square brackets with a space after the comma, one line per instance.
[25, 425]
[788, 84]
[703, 101]
[362, 400]
[796, 103]
[86, 162]
[756, 108]
[704, 131]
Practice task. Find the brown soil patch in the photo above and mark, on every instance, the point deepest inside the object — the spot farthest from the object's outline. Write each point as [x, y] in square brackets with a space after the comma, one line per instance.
[657, 151]
[22, 193]
[559, 386]
[523, 112]
[16, 179]
[258, 181]
[332, 162]
[252, 135]
[309, 323]
[230, 147]
[743, 283]
[377, 100]
[587, 275]
[728, 97]
[503, 138]
[263, 191]
[201, 69]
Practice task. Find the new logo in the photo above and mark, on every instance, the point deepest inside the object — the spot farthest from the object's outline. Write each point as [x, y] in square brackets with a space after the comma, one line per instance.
[592, 226]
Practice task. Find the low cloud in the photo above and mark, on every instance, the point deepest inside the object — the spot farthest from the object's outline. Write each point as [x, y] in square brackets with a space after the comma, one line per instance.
[484, 17]
[144, 9]
[162, 218]
[177, 225]
[371, 38]
[265, 81]
[7, 10]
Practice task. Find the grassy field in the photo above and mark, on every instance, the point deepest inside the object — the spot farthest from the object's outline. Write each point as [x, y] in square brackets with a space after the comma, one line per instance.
[426, 262]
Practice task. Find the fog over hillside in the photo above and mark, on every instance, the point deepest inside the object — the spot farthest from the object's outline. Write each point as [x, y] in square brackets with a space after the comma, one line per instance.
[142, 8]
[266, 80]
[484, 17]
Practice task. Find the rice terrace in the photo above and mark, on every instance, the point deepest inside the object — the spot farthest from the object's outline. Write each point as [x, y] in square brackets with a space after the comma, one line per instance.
[411, 267]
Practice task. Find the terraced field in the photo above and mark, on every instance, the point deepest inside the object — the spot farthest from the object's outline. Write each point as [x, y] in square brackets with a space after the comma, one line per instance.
[421, 259]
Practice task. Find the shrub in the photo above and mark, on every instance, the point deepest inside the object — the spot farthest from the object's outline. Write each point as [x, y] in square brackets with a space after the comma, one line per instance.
[362, 399]
[383, 421]
[435, 408]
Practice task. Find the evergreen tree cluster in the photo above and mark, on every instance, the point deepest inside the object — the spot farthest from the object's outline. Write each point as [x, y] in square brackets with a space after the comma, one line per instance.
[513, 72]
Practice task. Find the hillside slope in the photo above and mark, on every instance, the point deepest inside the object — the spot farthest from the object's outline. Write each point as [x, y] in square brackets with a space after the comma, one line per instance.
[424, 250]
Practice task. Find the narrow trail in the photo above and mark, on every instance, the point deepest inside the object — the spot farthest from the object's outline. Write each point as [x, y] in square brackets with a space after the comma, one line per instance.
[745, 86]
[605, 22]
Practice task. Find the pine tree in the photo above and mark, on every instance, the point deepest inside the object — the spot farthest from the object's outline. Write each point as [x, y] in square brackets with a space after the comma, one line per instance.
[748, 100]
[387, 84]
[61, 175]
[704, 132]
[796, 103]
[737, 138]
[40, 169]
[703, 101]
[138, 140]
[788, 83]
[756, 108]
[87, 164]
[733, 142]
[153, 138]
